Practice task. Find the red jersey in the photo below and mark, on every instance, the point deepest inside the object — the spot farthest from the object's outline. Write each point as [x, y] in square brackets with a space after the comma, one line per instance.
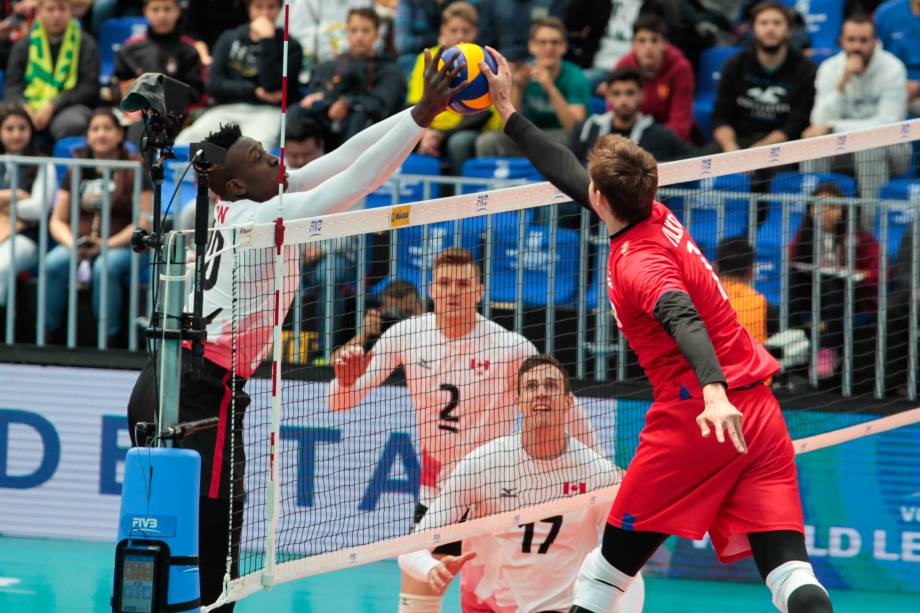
[651, 258]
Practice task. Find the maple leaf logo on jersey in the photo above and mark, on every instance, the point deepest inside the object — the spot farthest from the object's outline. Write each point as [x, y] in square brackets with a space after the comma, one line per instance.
[624, 249]
[479, 367]
[570, 488]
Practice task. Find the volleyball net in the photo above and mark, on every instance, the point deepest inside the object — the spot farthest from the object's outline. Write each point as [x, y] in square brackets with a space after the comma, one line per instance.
[812, 241]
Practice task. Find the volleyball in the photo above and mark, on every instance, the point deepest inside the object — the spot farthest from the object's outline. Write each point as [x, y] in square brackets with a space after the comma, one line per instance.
[476, 96]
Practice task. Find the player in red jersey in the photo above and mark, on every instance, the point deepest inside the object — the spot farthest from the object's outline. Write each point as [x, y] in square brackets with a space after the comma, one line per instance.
[707, 374]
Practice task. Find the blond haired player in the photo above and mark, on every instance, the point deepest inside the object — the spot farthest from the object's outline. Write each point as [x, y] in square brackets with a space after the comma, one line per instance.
[532, 567]
[460, 370]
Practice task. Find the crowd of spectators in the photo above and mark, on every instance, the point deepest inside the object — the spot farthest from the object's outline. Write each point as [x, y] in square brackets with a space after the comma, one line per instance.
[581, 69]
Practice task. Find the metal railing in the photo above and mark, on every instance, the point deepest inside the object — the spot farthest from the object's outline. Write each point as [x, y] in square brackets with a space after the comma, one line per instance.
[605, 347]
[46, 206]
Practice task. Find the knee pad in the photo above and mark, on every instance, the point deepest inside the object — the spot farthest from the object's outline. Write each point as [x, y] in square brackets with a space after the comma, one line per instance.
[416, 603]
[599, 586]
[786, 579]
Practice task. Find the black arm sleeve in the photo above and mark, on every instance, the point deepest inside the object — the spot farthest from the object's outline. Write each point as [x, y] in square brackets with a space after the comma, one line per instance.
[551, 158]
[678, 316]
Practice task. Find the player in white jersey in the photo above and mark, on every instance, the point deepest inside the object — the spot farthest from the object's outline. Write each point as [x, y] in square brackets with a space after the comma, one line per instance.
[247, 185]
[530, 568]
[460, 369]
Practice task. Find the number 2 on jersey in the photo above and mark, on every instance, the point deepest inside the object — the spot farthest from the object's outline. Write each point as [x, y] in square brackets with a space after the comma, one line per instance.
[555, 520]
[447, 417]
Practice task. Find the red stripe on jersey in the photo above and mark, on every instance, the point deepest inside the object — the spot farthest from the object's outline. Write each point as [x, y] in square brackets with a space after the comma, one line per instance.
[218, 463]
[431, 468]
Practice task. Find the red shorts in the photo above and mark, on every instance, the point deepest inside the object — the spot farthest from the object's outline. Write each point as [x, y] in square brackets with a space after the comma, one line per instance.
[682, 484]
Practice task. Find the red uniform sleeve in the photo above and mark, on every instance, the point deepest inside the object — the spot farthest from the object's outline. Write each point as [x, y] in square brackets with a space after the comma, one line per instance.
[647, 274]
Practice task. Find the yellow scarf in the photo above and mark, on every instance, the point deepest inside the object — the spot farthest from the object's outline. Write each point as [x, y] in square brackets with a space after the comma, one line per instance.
[46, 81]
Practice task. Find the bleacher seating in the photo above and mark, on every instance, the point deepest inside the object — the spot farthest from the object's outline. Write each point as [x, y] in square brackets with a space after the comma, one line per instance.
[409, 191]
[770, 240]
[112, 35]
[704, 217]
[707, 83]
[899, 218]
[824, 18]
[535, 261]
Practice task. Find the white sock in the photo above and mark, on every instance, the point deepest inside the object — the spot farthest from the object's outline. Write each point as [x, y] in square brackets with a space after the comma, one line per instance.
[416, 603]
[599, 586]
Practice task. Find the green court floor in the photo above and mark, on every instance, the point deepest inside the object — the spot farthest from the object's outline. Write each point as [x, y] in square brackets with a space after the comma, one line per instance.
[51, 576]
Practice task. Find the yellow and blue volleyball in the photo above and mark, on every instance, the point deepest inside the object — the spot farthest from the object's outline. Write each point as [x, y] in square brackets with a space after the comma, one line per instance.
[476, 96]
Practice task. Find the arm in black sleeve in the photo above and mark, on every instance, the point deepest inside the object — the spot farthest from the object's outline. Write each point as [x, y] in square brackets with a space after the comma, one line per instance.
[676, 313]
[800, 115]
[551, 158]
[223, 85]
[723, 107]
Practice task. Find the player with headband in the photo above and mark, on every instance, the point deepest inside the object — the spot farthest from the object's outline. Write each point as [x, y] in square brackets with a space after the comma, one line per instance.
[707, 374]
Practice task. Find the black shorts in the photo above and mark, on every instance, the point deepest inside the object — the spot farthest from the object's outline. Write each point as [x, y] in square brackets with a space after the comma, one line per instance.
[448, 549]
[206, 393]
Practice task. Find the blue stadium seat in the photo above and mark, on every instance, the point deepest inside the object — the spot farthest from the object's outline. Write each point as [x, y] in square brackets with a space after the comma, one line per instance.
[594, 298]
[900, 218]
[414, 254]
[597, 105]
[497, 168]
[415, 164]
[704, 208]
[112, 35]
[770, 240]
[67, 147]
[820, 55]
[535, 261]
[707, 82]
[824, 19]
[1, 81]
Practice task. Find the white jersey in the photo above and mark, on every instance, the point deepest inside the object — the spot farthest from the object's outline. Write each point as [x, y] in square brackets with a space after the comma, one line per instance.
[463, 390]
[330, 184]
[531, 567]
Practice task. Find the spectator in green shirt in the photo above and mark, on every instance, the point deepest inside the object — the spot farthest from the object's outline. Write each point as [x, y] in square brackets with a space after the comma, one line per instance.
[550, 92]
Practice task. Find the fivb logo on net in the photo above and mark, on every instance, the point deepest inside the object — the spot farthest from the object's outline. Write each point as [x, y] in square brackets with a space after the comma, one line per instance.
[482, 202]
[316, 227]
[775, 154]
[840, 144]
[705, 167]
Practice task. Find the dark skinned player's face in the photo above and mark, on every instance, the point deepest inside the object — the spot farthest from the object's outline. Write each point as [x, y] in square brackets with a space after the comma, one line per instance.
[250, 172]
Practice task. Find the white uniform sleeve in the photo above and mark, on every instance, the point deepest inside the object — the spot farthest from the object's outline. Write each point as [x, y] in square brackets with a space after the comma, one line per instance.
[338, 160]
[458, 494]
[42, 191]
[892, 103]
[386, 355]
[829, 102]
[341, 191]
[418, 564]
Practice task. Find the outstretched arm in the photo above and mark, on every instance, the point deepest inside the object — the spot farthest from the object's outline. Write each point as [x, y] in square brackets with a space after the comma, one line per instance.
[340, 192]
[436, 93]
[448, 508]
[357, 374]
[336, 161]
[551, 158]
